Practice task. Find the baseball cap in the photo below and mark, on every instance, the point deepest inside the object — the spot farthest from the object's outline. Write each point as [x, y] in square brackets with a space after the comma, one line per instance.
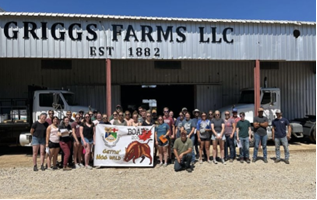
[196, 110]
[184, 108]
[118, 106]
[278, 111]
[260, 110]
[81, 111]
[234, 110]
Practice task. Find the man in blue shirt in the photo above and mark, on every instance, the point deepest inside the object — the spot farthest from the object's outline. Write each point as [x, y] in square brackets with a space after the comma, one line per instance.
[279, 135]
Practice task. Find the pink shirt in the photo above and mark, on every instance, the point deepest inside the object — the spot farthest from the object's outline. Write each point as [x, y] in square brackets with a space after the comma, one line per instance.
[54, 135]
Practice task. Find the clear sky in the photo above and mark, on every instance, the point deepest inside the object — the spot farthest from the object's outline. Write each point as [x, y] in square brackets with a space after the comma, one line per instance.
[294, 10]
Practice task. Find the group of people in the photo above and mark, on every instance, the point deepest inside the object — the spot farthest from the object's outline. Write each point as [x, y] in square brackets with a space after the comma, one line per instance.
[175, 138]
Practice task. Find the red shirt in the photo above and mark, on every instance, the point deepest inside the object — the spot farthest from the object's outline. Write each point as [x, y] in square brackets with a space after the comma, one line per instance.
[236, 119]
[169, 121]
[49, 121]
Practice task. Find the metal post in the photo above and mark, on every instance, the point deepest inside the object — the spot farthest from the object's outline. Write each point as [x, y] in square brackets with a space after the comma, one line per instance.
[108, 86]
[256, 87]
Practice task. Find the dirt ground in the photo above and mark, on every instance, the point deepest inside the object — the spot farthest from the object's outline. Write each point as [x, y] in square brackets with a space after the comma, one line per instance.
[234, 180]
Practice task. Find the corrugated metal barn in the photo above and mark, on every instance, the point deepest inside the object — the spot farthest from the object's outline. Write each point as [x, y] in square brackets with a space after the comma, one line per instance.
[194, 63]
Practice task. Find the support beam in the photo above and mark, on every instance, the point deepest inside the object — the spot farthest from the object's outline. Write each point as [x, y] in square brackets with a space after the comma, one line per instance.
[257, 102]
[108, 87]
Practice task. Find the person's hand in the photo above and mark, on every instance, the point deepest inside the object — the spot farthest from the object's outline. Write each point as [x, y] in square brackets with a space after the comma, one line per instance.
[273, 138]
[85, 144]
[94, 143]
[187, 136]
[199, 140]
[164, 136]
[231, 136]
[178, 160]
[156, 142]
[77, 143]
[249, 138]
[172, 136]
[238, 140]
[181, 156]
[288, 137]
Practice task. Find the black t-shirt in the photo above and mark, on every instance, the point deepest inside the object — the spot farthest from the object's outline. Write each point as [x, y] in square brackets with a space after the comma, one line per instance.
[146, 124]
[66, 138]
[39, 129]
[88, 132]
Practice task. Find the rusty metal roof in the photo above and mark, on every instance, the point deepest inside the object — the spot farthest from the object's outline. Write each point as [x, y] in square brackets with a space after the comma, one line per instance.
[118, 17]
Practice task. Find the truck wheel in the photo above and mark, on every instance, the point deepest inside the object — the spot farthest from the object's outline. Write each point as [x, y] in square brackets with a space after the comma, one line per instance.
[251, 143]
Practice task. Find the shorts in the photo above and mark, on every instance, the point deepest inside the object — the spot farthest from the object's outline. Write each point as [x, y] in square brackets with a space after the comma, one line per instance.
[79, 140]
[53, 145]
[161, 144]
[204, 139]
[87, 140]
[37, 141]
[214, 138]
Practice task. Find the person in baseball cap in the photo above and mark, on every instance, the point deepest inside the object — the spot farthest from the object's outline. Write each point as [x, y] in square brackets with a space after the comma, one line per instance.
[234, 110]
[184, 110]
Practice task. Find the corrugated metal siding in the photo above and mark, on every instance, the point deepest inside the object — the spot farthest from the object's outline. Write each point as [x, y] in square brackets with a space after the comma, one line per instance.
[86, 79]
[297, 82]
[264, 41]
[115, 96]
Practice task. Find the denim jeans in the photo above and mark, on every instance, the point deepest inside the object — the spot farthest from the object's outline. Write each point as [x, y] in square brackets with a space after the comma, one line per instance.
[263, 140]
[284, 142]
[185, 162]
[245, 147]
[229, 144]
[192, 138]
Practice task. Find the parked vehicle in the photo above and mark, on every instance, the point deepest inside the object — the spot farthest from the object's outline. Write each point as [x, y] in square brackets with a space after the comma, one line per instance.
[270, 102]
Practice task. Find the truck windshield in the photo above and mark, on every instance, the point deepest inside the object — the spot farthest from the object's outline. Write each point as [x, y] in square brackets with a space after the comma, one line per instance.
[70, 99]
[247, 97]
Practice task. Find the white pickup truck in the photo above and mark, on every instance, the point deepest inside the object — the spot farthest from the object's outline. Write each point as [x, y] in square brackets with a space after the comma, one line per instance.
[17, 115]
[270, 102]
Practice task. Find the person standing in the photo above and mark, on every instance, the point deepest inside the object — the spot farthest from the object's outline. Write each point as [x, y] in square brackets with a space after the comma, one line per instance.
[52, 143]
[230, 128]
[203, 135]
[49, 119]
[279, 135]
[189, 126]
[115, 117]
[127, 118]
[94, 116]
[98, 119]
[105, 119]
[118, 109]
[170, 122]
[81, 115]
[183, 149]
[120, 121]
[218, 128]
[154, 116]
[69, 115]
[78, 148]
[87, 133]
[162, 130]
[65, 142]
[178, 125]
[171, 114]
[260, 135]
[196, 114]
[38, 132]
[148, 121]
[236, 119]
[244, 135]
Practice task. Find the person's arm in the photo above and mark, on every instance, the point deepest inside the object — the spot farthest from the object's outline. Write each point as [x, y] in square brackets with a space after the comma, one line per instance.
[255, 123]
[32, 131]
[155, 138]
[273, 132]
[250, 132]
[289, 132]
[74, 135]
[177, 156]
[233, 129]
[94, 136]
[264, 124]
[191, 132]
[81, 129]
[48, 131]
[237, 130]
[222, 129]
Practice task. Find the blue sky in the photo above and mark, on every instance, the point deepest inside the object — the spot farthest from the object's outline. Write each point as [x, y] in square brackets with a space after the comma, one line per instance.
[295, 10]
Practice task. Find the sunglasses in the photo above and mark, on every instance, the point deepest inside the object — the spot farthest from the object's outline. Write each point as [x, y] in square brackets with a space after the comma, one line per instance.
[50, 113]
[68, 114]
[241, 116]
[105, 118]
[181, 115]
[120, 115]
[165, 111]
[217, 114]
[210, 114]
[77, 118]
[127, 114]
[227, 114]
[203, 115]
[87, 117]
[148, 116]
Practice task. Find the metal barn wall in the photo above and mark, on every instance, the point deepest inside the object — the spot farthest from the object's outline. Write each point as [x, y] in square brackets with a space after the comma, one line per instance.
[297, 82]
[251, 39]
[86, 79]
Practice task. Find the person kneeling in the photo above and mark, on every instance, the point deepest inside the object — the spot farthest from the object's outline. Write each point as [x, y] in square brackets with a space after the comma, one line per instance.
[183, 153]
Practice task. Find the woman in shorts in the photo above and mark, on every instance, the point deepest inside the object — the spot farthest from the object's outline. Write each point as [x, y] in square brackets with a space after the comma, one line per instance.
[203, 135]
[78, 148]
[87, 134]
[52, 142]
[162, 130]
[218, 128]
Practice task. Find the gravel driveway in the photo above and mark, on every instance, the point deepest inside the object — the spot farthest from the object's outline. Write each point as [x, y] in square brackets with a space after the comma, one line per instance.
[234, 180]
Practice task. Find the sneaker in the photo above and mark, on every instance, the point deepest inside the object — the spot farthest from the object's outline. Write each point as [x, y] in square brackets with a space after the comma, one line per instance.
[253, 159]
[215, 161]
[209, 161]
[88, 167]
[67, 169]
[241, 160]
[81, 165]
[49, 169]
[277, 160]
[265, 160]
[161, 164]
[77, 166]
[287, 161]
[42, 167]
[223, 161]
[54, 168]
[200, 161]
[231, 160]
[192, 164]
[165, 165]
[98, 167]
[189, 170]
[35, 168]
[248, 160]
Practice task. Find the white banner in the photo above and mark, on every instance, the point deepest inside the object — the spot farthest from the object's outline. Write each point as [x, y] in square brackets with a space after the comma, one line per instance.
[124, 146]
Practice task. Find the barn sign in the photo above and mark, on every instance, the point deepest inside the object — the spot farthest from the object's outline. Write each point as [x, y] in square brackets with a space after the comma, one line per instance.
[124, 146]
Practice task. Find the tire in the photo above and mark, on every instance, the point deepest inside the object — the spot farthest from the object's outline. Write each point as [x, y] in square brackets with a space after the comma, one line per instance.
[312, 136]
[252, 141]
